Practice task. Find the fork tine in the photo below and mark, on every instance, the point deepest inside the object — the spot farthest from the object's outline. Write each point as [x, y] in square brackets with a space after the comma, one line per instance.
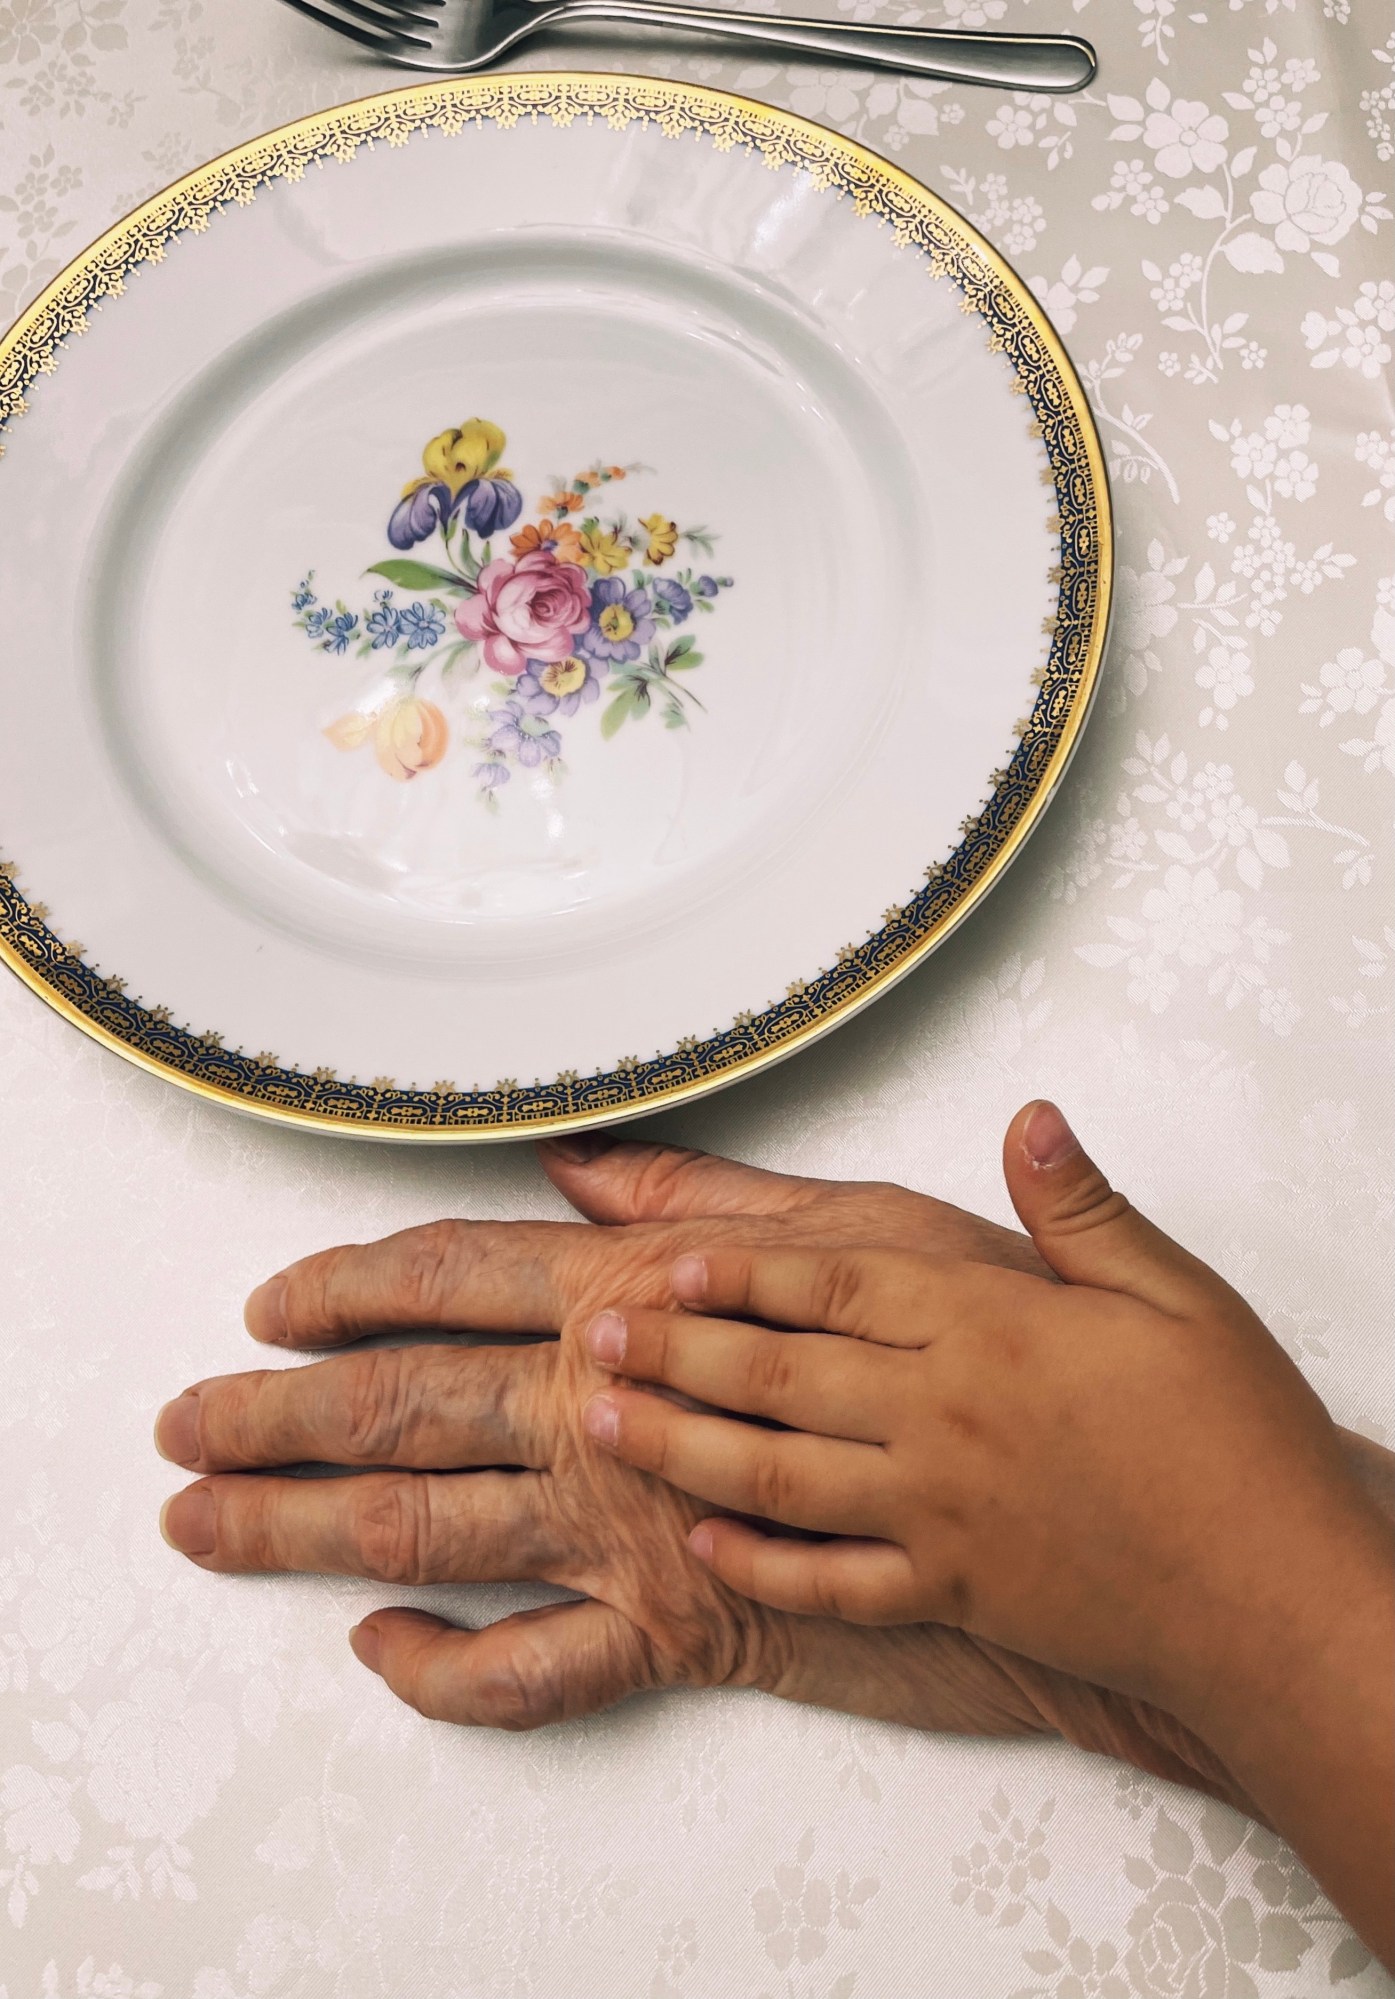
[388, 16]
[385, 44]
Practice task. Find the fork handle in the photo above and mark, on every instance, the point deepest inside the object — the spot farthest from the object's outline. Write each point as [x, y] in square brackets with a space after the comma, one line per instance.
[1011, 62]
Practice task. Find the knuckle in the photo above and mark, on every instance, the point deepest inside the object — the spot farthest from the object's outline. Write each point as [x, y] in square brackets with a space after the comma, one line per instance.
[430, 1267]
[770, 1486]
[373, 1394]
[237, 1416]
[1090, 1203]
[826, 1598]
[395, 1535]
[772, 1373]
[658, 1182]
[509, 1696]
[838, 1287]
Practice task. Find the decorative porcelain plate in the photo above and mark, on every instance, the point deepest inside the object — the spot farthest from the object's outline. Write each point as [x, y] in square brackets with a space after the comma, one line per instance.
[533, 597]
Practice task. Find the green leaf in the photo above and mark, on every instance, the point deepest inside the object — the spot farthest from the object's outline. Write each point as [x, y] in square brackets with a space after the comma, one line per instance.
[617, 713]
[686, 665]
[416, 575]
[679, 647]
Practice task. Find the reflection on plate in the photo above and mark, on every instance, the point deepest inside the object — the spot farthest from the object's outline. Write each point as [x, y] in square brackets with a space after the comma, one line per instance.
[540, 616]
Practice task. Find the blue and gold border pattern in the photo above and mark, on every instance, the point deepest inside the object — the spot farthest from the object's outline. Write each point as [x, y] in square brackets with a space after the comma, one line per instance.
[1015, 325]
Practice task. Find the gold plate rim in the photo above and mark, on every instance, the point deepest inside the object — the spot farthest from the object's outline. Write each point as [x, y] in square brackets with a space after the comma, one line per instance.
[880, 190]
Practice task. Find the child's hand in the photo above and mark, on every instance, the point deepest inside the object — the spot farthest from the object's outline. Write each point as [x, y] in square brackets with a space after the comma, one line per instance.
[1084, 1472]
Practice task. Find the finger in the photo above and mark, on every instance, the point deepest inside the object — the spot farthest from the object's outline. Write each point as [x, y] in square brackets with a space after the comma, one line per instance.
[809, 1381]
[612, 1180]
[536, 1667]
[457, 1276]
[626, 1180]
[398, 1527]
[821, 1483]
[890, 1297]
[863, 1582]
[437, 1408]
[1088, 1233]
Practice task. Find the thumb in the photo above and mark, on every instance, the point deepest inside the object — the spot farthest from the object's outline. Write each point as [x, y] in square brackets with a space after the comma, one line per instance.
[1088, 1233]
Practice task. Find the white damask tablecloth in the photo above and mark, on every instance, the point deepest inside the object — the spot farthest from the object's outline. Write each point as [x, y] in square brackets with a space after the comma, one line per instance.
[202, 1796]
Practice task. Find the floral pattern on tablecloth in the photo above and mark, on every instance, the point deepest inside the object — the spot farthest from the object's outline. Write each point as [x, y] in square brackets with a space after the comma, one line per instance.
[201, 1796]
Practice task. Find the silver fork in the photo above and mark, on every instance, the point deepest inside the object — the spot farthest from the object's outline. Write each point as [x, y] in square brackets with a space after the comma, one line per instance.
[471, 34]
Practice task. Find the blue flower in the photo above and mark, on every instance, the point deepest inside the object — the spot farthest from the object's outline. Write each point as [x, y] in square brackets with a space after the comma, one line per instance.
[706, 586]
[419, 513]
[622, 621]
[302, 597]
[384, 626]
[673, 598]
[421, 625]
[316, 620]
[339, 631]
[490, 504]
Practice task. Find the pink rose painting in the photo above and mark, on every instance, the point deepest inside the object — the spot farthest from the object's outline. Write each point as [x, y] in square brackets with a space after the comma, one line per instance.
[573, 608]
[530, 609]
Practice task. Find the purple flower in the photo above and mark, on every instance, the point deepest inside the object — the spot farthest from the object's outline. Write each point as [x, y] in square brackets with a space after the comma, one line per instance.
[419, 513]
[490, 504]
[491, 774]
[673, 598]
[514, 738]
[557, 686]
[622, 622]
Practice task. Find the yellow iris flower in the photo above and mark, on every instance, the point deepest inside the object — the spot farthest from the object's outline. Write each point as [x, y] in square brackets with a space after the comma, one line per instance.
[469, 452]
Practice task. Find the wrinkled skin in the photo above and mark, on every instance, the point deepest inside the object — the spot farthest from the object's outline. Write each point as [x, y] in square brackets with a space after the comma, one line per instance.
[653, 1617]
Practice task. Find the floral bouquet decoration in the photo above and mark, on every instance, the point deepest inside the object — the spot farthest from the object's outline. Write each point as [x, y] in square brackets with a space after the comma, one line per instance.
[577, 606]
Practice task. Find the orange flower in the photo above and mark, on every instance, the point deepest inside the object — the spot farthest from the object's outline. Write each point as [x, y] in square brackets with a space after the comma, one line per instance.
[560, 503]
[559, 536]
[408, 737]
[616, 471]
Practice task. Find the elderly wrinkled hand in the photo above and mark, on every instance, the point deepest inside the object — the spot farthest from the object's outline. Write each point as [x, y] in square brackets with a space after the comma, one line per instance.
[482, 1470]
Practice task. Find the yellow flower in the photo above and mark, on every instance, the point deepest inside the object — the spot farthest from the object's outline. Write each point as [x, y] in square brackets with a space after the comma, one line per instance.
[458, 456]
[616, 622]
[602, 552]
[564, 676]
[663, 538]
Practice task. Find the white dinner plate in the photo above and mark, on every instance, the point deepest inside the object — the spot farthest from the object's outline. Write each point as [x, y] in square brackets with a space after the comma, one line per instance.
[533, 597]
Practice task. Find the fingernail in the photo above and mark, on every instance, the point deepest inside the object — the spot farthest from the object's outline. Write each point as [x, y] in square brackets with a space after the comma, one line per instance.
[689, 1279]
[1046, 1137]
[186, 1521]
[605, 1339]
[177, 1431]
[700, 1541]
[264, 1314]
[367, 1646]
[601, 1419]
[581, 1147]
